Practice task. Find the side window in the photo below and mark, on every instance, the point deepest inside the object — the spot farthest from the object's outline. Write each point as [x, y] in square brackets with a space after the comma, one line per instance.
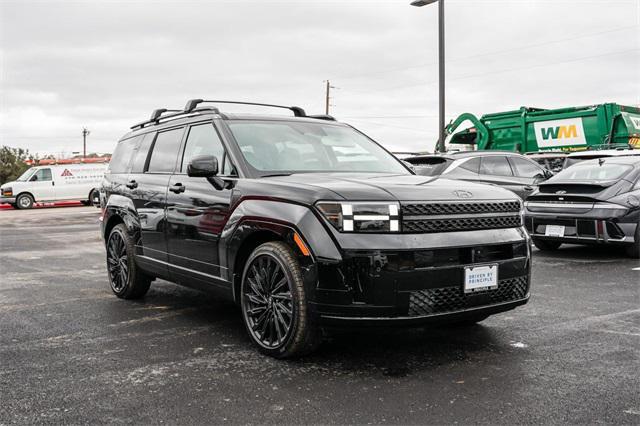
[42, 175]
[472, 165]
[228, 169]
[496, 166]
[142, 153]
[165, 151]
[524, 168]
[122, 155]
[202, 140]
[467, 169]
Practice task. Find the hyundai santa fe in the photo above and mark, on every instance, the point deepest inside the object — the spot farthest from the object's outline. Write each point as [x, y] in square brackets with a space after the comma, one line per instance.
[305, 223]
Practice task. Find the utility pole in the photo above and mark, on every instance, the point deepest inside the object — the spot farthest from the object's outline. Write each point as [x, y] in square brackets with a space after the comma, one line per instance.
[85, 133]
[327, 97]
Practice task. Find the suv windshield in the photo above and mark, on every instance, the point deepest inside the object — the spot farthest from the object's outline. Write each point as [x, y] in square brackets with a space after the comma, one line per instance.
[26, 175]
[592, 171]
[289, 147]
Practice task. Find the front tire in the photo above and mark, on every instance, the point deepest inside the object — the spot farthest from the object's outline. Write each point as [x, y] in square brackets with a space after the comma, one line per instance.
[24, 202]
[546, 245]
[125, 278]
[274, 304]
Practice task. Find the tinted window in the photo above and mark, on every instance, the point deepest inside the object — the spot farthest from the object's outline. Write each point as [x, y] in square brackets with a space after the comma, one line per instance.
[122, 155]
[525, 168]
[141, 154]
[281, 146]
[430, 166]
[202, 140]
[165, 151]
[495, 166]
[591, 171]
[42, 175]
[228, 169]
[472, 165]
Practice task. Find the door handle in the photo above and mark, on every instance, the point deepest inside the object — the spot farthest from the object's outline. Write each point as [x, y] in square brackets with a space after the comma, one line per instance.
[529, 188]
[132, 184]
[177, 188]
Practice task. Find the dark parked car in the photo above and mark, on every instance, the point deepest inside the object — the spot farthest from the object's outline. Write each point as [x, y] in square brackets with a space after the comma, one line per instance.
[305, 222]
[550, 160]
[509, 170]
[592, 202]
[579, 156]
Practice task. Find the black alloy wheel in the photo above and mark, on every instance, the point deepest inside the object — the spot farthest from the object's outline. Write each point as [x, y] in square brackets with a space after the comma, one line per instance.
[274, 304]
[268, 302]
[125, 279]
[117, 262]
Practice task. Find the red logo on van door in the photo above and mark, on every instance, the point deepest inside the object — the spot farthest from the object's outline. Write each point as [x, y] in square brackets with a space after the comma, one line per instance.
[66, 173]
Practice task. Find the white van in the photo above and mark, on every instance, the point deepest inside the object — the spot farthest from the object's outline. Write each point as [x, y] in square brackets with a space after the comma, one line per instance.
[60, 182]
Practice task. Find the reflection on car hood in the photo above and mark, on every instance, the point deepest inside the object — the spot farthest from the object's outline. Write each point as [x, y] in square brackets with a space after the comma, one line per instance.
[382, 187]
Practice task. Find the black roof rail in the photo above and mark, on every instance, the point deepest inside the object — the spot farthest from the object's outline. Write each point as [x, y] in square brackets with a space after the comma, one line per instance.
[322, 117]
[193, 103]
[157, 115]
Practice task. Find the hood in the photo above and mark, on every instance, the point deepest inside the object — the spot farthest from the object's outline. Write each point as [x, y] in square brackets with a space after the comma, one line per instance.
[377, 187]
[9, 184]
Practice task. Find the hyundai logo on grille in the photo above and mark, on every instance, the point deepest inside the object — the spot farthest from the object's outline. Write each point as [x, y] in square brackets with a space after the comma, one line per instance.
[462, 194]
[562, 191]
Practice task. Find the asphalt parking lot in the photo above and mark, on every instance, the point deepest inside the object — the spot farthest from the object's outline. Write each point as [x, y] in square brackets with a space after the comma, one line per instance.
[71, 352]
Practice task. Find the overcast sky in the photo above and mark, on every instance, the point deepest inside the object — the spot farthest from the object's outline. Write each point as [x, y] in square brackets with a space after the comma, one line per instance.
[107, 64]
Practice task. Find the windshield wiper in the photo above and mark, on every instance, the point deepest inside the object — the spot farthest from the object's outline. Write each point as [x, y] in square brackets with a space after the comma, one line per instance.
[276, 174]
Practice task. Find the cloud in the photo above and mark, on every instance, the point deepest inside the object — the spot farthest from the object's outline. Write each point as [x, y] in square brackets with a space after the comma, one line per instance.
[106, 65]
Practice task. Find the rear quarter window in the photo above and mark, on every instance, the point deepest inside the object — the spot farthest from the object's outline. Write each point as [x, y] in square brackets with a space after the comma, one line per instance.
[122, 155]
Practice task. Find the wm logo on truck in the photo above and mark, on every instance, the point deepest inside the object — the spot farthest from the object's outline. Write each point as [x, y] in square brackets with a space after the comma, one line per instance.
[558, 133]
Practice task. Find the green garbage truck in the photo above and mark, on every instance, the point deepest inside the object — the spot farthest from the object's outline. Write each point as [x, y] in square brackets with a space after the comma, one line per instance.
[565, 129]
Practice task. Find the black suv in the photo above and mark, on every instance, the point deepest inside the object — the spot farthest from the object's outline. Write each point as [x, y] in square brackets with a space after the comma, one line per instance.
[305, 223]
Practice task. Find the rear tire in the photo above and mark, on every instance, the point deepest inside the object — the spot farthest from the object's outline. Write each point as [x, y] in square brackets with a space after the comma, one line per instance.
[546, 245]
[24, 201]
[274, 304]
[125, 278]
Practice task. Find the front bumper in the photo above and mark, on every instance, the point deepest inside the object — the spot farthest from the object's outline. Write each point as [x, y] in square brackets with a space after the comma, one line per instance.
[419, 286]
[600, 224]
[7, 200]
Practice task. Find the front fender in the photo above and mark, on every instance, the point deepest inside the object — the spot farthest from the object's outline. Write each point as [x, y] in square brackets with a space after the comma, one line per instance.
[277, 217]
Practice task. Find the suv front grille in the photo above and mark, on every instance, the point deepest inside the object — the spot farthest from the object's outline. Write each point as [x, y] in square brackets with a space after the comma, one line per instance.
[460, 216]
[460, 208]
[464, 224]
[450, 299]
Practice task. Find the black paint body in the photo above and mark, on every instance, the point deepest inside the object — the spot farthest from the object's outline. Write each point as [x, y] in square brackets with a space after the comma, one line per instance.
[201, 235]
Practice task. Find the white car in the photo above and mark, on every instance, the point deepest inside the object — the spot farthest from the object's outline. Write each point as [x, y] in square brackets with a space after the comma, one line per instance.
[60, 182]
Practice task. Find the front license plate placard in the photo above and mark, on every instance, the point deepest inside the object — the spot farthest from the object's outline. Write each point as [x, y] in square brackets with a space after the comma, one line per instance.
[554, 231]
[478, 278]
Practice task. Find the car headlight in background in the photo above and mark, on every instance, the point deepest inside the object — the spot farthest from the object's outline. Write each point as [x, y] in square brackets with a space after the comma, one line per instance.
[362, 216]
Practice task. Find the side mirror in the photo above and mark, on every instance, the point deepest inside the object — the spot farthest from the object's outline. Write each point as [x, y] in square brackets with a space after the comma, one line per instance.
[203, 166]
[33, 178]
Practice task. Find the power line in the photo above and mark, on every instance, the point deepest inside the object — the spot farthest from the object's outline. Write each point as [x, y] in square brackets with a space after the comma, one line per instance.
[506, 70]
[491, 53]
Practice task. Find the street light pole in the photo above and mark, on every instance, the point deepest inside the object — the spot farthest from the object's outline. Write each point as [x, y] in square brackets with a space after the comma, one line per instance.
[85, 133]
[441, 131]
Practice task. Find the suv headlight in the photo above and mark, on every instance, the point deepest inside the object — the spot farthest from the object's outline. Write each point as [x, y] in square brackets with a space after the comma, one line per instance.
[7, 192]
[362, 216]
